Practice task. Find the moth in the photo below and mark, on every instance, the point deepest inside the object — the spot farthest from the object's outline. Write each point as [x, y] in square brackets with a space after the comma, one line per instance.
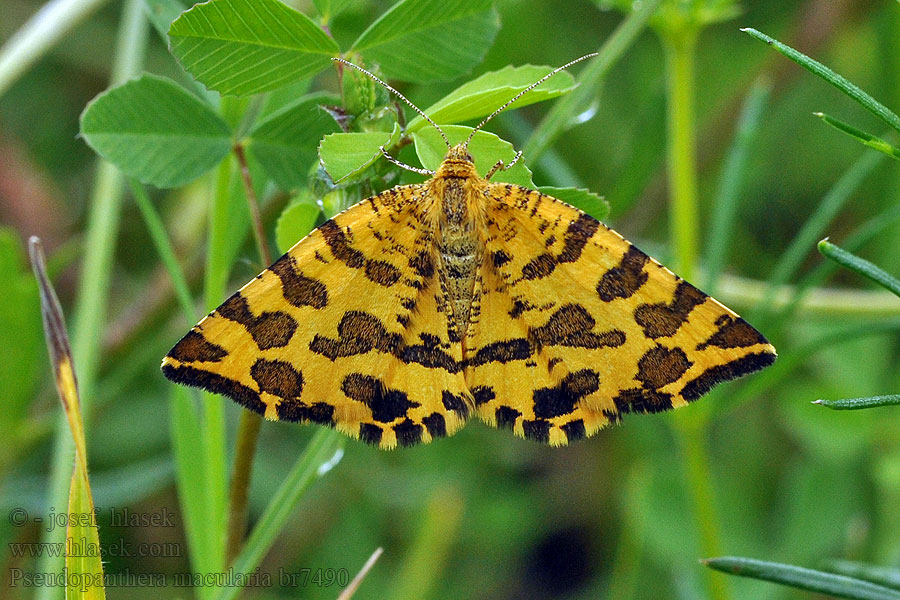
[425, 305]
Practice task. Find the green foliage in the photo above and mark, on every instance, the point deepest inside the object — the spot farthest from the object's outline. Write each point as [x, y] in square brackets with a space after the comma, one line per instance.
[243, 47]
[624, 515]
[156, 131]
[428, 40]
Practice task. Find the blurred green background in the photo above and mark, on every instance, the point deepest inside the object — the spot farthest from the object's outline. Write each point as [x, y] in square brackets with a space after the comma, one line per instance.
[483, 514]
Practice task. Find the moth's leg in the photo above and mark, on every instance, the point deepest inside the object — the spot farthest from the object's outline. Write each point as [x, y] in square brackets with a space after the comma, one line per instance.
[501, 167]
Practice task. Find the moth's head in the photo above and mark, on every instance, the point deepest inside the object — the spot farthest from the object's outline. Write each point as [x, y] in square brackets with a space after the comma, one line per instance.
[457, 163]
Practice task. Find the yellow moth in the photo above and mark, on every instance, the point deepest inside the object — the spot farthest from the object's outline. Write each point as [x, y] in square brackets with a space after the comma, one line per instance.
[417, 308]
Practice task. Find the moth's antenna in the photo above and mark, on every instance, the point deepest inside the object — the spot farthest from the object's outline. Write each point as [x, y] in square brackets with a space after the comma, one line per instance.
[522, 93]
[399, 95]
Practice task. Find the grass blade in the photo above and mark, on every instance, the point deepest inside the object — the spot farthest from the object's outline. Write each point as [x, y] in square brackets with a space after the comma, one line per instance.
[801, 578]
[324, 450]
[84, 569]
[867, 139]
[733, 178]
[817, 68]
[860, 265]
[885, 576]
[856, 403]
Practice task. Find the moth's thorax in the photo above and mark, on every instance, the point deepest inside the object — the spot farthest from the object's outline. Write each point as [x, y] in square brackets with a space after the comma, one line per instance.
[460, 191]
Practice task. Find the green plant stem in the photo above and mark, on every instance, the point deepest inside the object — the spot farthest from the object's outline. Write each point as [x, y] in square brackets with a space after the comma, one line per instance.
[321, 454]
[589, 81]
[679, 48]
[91, 299]
[163, 245]
[679, 45]
[35, 38]
[248, 429]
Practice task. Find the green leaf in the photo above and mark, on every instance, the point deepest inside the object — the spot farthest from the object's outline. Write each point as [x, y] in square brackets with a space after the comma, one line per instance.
[804, 579]
[861, 266]
[161, 14]
[486, 148]
[285, 142]
[347, 154]
[867, 139]
[817, 68]
[487, 93]
[296, 221]
[84, 568]
[582, 199]
[155, 131]
[430, 40]
[857, 403]
[243, 47]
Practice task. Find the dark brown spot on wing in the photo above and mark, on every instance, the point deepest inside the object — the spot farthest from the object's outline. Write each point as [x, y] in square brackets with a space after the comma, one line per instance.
[483, 394]
[537, 430]
[408, 433]
[642, 400]
[382, 273]
[277, 377]
[269, 329]
[574, 430]
[216, 384]
[561, 399]
[428, 354]
[193, 347]
[623, 280]
[663, 320]
[457, 403]
[571, 325]
[296, 411]
[506, 417]
[539, 266]
[733, 333]
[298, 289]
[386, 404]
[500, 258]
[370, 433]
[661, 366]
[359, 333]
[503, 351]
[436, 425]
[423, 264]
[706, 380]
[576, 237]
[340, 246]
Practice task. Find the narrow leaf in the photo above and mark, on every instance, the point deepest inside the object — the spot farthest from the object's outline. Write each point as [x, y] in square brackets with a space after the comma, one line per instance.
[861, 266]
[83, 559]
[857, 403]
[285, 142]
[155, 131]
[487, 93]
[804, 579]
[486, 148]
[867, 139]
[886, 576]
[347, 154]
[430, 40]
[323, 452]
[817, 68]
[582, 199]
[243, 47]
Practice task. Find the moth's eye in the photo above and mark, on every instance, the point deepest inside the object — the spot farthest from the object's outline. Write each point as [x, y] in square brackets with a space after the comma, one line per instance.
[469, 158]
